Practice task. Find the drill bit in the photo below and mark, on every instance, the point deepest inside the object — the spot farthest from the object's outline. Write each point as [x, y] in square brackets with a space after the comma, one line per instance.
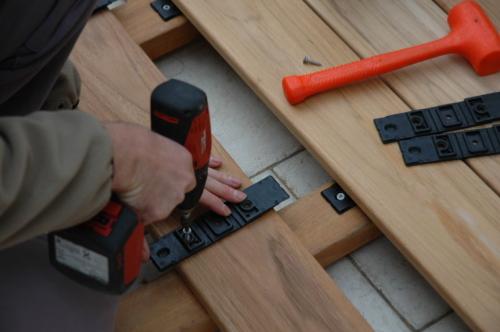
[187, 232]
[309, 61]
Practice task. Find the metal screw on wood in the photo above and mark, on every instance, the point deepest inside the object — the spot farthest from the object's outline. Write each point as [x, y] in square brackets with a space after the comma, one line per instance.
[308, 61]
[340, 196]
[165, 7]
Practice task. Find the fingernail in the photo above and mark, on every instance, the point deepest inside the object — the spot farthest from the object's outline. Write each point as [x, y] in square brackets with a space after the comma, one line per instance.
[227, 211]
[216, 159]
[235, 182]
[239, 195]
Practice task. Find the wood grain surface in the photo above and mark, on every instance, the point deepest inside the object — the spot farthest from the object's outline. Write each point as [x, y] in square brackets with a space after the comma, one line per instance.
[442, 217]
[260, 278]
[402, 24]
[328, 236]
[147, 28]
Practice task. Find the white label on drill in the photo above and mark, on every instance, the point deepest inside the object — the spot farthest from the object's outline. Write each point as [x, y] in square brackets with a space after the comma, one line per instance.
[81, 259]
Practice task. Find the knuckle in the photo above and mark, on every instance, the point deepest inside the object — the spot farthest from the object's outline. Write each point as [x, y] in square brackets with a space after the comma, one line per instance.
[189, 180]
[158, 213]
[192, 183]
[179, 197]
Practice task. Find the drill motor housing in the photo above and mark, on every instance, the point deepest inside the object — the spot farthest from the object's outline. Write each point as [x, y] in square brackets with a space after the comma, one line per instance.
[179, 111]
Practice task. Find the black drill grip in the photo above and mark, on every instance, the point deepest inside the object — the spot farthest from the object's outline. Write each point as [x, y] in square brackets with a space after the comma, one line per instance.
[179, 111]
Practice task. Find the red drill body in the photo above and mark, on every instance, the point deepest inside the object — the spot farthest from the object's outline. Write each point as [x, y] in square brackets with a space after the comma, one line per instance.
[179, 111]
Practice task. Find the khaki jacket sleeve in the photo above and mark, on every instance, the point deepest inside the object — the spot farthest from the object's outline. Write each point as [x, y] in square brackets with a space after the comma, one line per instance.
[55, 172]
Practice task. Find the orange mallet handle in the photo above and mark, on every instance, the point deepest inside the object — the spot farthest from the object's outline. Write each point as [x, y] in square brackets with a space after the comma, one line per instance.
[299, 87]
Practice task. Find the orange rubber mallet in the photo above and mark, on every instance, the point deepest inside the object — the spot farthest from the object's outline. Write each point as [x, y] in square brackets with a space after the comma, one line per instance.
[472, 35]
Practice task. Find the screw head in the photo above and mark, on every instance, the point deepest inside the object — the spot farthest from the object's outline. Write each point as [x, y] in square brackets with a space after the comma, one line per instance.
[442, 144]
[166, 7]
[340, 196]
[416, 120]
[187, 233]
[163, 252]
[480, 109]
[246, 205]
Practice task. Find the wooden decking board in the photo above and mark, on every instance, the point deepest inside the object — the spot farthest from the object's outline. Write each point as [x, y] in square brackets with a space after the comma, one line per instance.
[165, 305]
[401, 24]
[259, 278]
[327, 235]
[380, 26]
[148, 30]
[442, 217]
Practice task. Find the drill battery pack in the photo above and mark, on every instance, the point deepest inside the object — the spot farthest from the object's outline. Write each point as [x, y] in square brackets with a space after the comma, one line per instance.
[104, 253]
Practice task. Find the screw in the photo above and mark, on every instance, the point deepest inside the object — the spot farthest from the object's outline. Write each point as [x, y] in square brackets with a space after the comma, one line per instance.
[340, 196]
[308, 61]
[163, 252]
[480, 109]
[187, 233]
[165, 7]
[246, 205]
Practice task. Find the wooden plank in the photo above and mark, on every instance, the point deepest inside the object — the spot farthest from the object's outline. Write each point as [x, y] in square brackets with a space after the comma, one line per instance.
[492, 7]
[402, 24]
[258, 278]
[147, 29]
[99, 57]
[165, 305]
[327, 235]
[442, 217]
[265, 280]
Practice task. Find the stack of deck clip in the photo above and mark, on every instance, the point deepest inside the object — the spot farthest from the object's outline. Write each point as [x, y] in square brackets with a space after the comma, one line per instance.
[422, 133]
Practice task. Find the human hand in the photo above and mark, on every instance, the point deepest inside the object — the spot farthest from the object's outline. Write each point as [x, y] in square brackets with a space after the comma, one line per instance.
[220, 187]
[151, 173]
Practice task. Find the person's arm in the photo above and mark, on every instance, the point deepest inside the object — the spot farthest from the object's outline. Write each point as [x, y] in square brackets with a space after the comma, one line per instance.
[55, 172]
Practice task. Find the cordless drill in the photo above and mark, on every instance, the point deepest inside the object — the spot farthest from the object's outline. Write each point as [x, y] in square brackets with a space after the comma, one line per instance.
[179, 111]
[105, 252]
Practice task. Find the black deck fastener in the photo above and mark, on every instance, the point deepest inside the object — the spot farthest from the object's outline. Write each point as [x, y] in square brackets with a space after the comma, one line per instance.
[209, 228]
[198, 240]
[470, 112]
[453, 146]
[338, 198]
[166, 9]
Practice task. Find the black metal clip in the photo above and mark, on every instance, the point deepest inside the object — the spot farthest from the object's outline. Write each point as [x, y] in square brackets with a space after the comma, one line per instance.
[210, 228]
[166, 9]
[338, 198]
[453, 146]
[471, 112]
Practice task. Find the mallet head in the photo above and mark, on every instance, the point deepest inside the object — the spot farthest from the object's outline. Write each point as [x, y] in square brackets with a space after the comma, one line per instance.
[475, 37]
